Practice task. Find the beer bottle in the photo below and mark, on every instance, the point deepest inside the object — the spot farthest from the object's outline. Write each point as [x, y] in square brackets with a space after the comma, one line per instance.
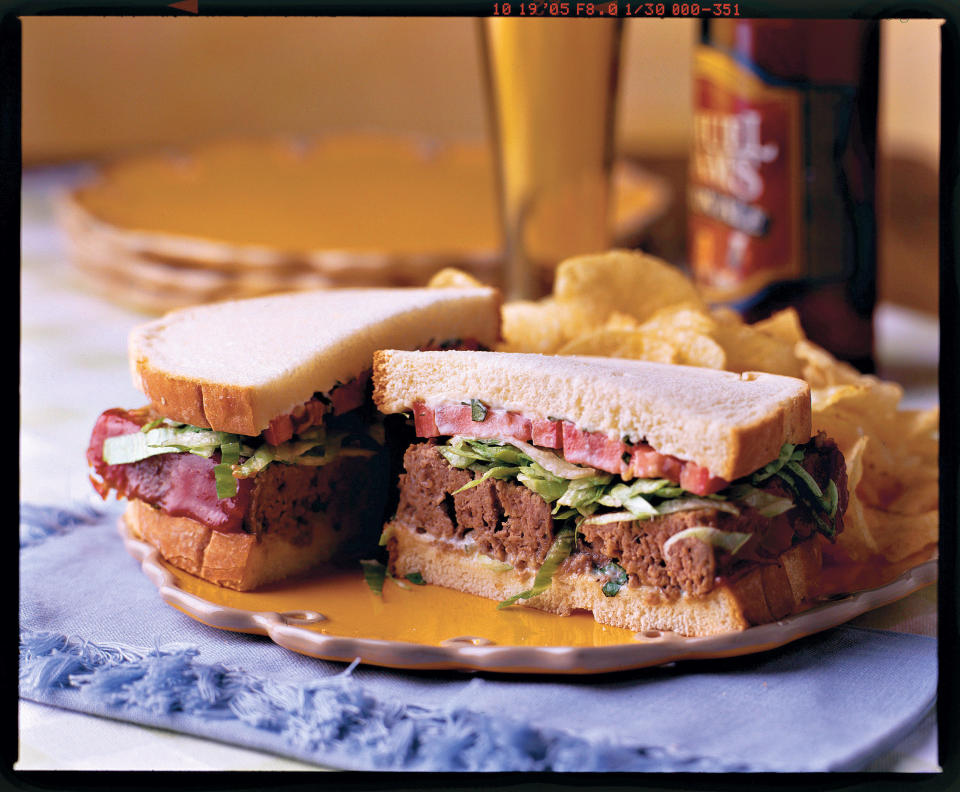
[782, 174]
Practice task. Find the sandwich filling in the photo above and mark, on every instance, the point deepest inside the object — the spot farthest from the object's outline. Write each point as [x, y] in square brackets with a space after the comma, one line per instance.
[219, 479]
[543, 495]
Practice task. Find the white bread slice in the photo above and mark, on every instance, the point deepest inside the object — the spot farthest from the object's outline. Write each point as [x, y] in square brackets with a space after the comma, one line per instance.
[234, 560]
[233, 366]
[763, 594]
[730, 423]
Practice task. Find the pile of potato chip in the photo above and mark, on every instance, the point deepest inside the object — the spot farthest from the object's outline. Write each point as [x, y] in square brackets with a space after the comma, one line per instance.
[630, 305]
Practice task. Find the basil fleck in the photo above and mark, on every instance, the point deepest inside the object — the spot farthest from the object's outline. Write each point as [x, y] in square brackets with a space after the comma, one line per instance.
[478, 411]
[616, 578]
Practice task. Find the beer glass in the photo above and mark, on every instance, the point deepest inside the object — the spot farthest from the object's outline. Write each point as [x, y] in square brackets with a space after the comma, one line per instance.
[551, 87]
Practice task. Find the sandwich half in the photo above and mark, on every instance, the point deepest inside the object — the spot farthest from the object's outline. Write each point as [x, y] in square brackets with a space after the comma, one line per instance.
[259, 454]
[659, 497]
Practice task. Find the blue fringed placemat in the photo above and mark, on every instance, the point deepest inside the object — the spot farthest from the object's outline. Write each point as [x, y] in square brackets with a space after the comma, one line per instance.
[97, 638]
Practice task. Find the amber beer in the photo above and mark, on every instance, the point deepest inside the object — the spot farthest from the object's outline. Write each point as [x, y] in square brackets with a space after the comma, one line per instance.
[551, 86]
[782, 174]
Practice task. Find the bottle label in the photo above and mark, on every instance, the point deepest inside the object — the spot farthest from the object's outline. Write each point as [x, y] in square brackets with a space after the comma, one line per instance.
[746, 179]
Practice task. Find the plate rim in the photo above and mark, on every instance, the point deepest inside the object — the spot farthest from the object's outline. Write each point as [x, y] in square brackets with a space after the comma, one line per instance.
[78, 219]
[408, 655]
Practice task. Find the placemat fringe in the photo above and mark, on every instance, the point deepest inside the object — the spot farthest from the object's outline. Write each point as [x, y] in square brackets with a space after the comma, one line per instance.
[38, 523]
[324, 717]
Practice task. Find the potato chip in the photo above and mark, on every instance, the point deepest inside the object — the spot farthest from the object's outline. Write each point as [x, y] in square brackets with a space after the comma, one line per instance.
[744, 348]
[750, 350]
[783, 325]
[626, 281]
[529, 326]
[919, 430]
[897, 474]
[725, 316]
[918, 498]
[623, 343]
[883, 481]
[621, 321]
[901, 535]
[844, 430]
[682, 316]
[821, 369]
[922, 424]
[870, 407]
[690, 331]
[856, 539]
[696, 349]
[453, 278]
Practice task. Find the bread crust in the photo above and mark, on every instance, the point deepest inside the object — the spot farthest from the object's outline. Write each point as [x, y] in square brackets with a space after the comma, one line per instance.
[732, 424]
[763, 594]
[234, 366]
[237, 560]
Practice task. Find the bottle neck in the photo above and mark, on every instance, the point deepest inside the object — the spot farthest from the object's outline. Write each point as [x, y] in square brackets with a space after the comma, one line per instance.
[819, 51]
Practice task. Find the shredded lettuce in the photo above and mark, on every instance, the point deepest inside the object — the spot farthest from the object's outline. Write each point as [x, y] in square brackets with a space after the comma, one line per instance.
[388, 530]
[583, 494]
[582, 490]
[767, 504]
[806, 478]
[312, 453]
[553, 462]
[152, 425]
[637, 505]
[731, 541]
[561, 548]
[135, 446]
[158, 437]
[123, 449]
[492, 564]
[788, 453]
[610, 517]
[313, 447]
[802, 485]
[501, 472]
[374, 573]
[697, 502]
[832, 498]
[463, 452]
[223, 472]
[550, 489]
[262, 457]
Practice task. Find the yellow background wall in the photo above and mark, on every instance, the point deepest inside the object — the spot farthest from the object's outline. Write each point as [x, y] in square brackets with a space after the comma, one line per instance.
[98, 85]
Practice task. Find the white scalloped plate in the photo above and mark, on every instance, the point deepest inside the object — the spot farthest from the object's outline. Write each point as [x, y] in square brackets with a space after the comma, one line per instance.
[338, 618]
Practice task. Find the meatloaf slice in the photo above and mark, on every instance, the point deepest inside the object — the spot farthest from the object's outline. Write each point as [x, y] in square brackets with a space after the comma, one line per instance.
[426, 489]
[350, 492]
[505, 520]
[691, 565]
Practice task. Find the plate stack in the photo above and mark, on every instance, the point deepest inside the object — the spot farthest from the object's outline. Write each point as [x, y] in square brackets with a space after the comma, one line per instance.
[239, 218]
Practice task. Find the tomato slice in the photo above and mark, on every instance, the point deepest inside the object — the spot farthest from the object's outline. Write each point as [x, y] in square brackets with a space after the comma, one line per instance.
[593, 449]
